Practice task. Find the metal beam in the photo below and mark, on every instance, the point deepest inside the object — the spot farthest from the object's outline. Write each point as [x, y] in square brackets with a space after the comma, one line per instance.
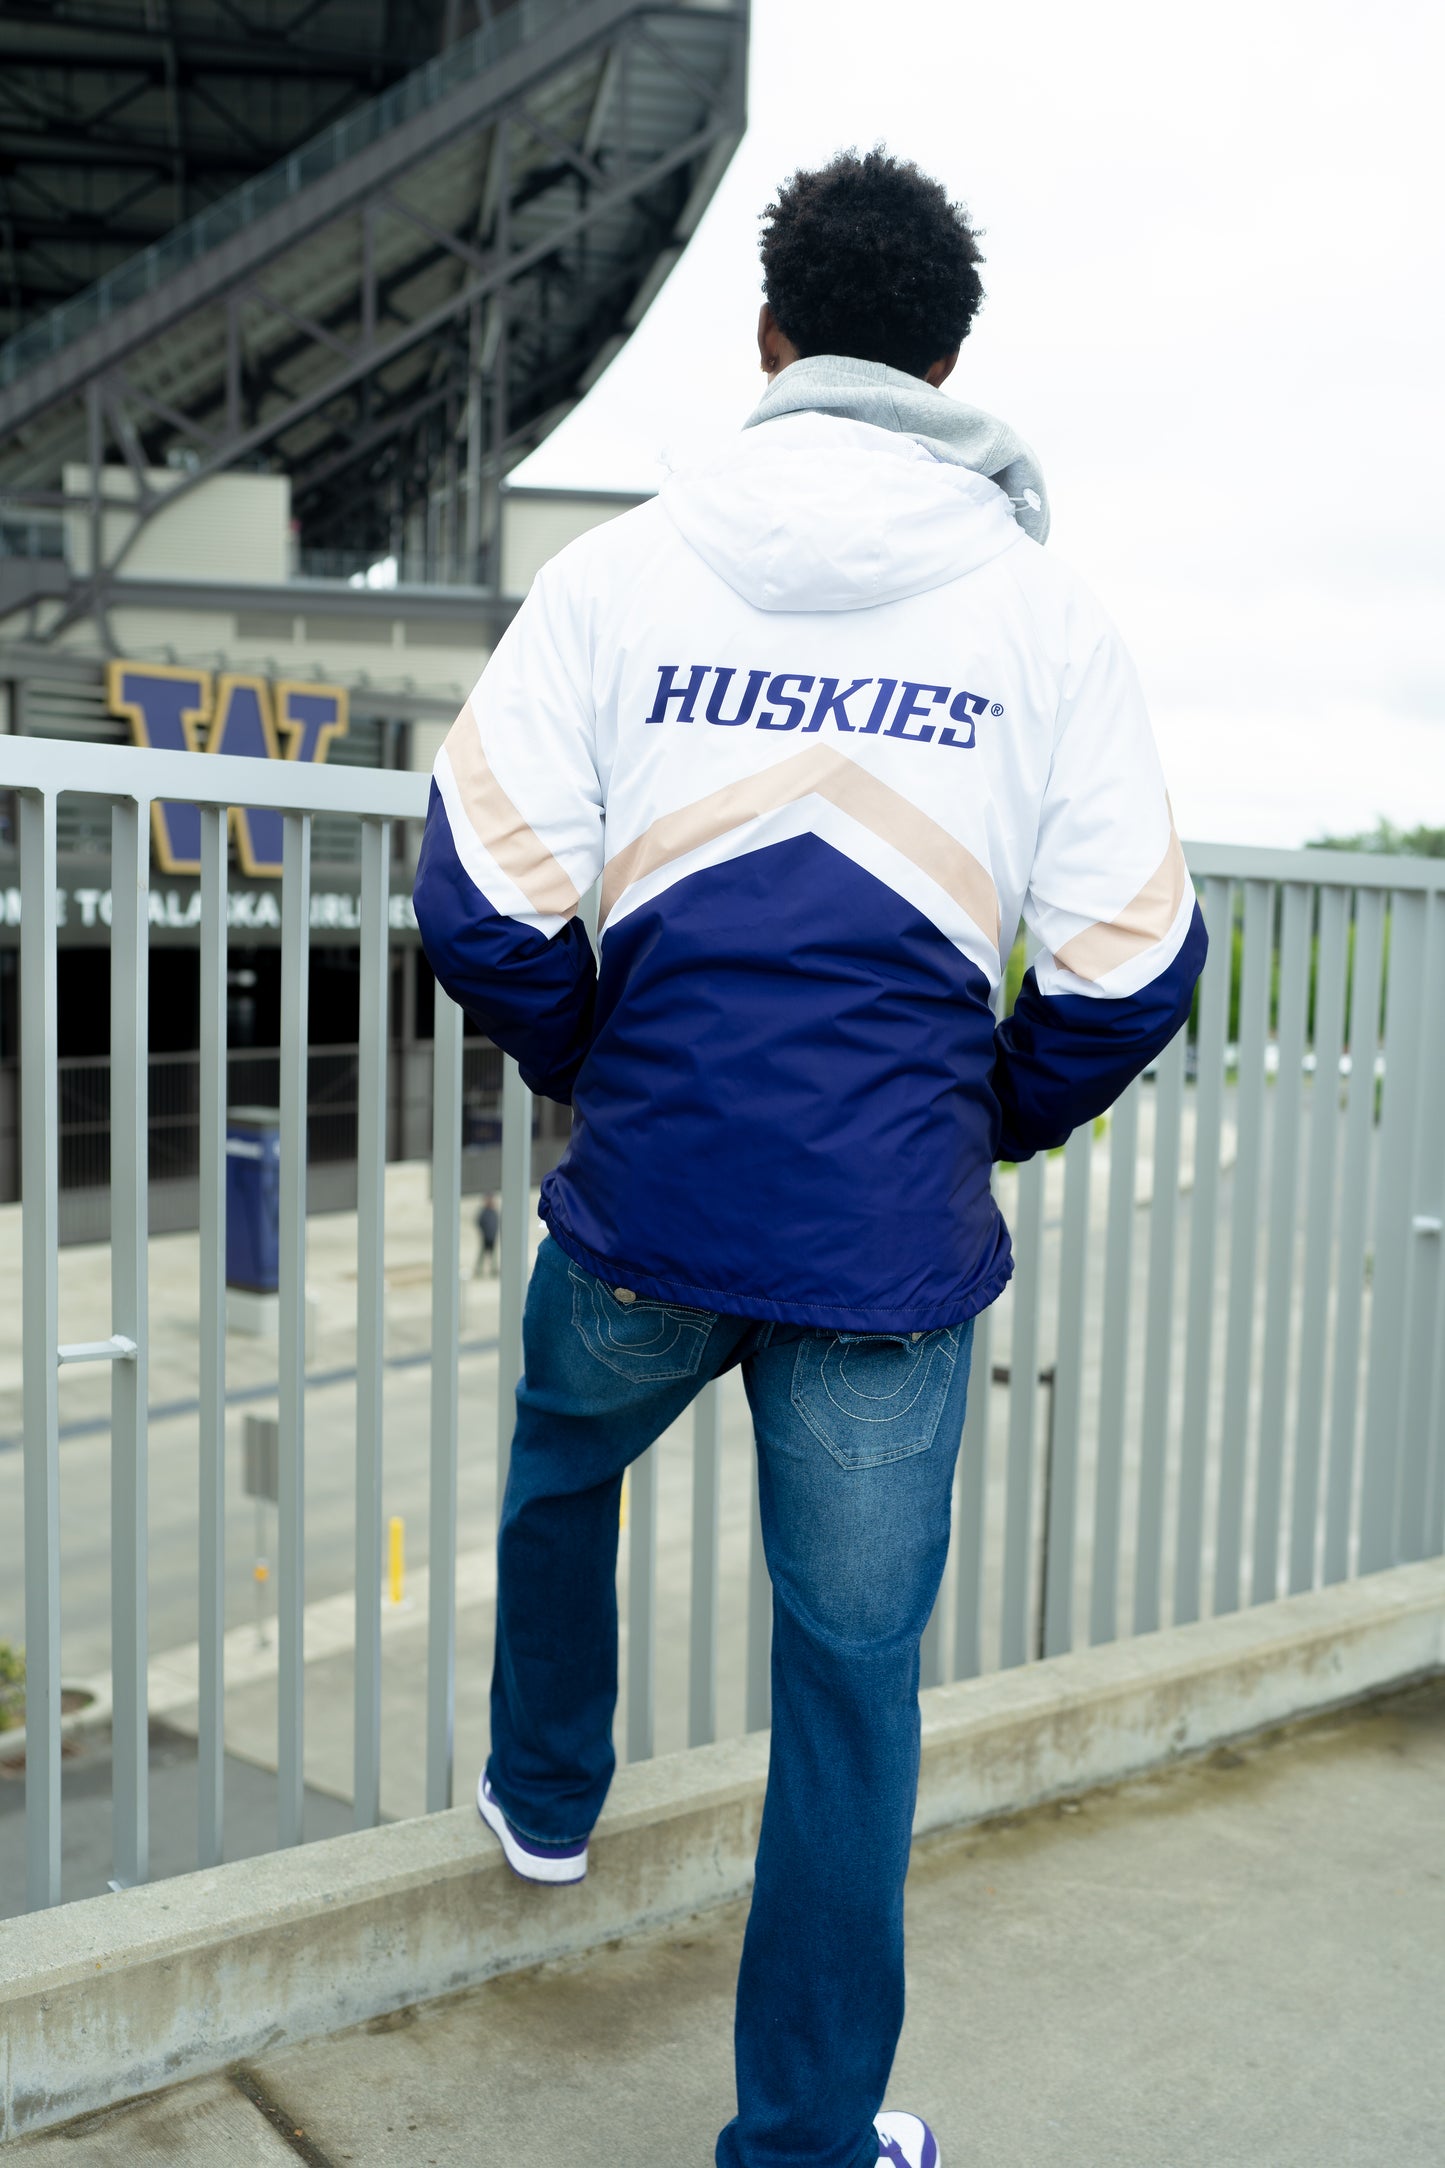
[412, 141]
[362, 363]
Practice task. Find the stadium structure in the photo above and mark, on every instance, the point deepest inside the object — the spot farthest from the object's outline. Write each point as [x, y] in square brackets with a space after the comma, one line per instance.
[288, 288]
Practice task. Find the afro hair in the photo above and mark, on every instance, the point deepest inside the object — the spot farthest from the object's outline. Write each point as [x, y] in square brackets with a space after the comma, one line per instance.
[868, 257]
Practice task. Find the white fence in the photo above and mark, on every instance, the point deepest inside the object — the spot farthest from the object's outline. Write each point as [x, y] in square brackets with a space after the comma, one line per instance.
[1217, 1375]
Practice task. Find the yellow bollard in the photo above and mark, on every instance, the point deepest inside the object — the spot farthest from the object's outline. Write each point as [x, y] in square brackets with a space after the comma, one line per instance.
[398, 1557]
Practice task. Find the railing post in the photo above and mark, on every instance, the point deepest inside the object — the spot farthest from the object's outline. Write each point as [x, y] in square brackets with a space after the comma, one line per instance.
[1158, 1335]
[971, 1506]
[445, 1332]
[1366, 974]
[291, 1349]
[1114, 1365]
[641, 1605]
[129, 1244]
[1062, 1525]
[1294, 976]
[512, 1291]
[706, 1500]
[370, 1316]
[1203, 1242]
[1018, 1548]
[1426, 1208]
[1243, 1241]
[1390, 1281]
[758, 1688]
[1324, 1125]
[39, 1123]
[210, 1715]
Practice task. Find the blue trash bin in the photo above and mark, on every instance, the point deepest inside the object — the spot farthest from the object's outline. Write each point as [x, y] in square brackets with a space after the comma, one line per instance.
[253, 1198]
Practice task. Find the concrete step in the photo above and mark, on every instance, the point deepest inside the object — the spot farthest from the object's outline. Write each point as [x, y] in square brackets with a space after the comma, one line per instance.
[1236, 1962]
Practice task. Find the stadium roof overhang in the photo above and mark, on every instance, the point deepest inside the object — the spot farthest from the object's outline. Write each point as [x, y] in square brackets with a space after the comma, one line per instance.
[119, 119]
[397, 313]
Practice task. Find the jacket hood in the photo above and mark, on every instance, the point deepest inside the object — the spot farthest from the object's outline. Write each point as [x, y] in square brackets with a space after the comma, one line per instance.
[846, 500]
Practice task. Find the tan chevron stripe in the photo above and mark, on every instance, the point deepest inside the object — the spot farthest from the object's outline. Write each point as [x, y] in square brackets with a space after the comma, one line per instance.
[500, 828]
[1146, 919]
[821, 773]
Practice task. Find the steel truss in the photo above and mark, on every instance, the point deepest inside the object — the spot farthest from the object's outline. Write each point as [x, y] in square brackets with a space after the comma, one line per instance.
[396, 332]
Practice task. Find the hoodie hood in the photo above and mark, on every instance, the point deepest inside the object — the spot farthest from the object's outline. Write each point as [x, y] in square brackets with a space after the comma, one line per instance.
[865, 487]
[961, 436]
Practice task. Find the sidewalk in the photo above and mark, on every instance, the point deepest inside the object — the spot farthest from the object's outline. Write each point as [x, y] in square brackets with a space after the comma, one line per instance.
[1238, 1965]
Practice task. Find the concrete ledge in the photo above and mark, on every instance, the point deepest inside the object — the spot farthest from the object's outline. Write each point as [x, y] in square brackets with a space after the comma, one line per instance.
[1018, 1738]
[124, 1994]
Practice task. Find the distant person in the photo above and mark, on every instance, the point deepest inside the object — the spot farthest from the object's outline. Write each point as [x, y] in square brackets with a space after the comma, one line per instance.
[488, 1225]
[829, 723]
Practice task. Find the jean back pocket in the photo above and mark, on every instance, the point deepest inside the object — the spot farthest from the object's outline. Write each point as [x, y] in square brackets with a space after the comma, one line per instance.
[643, 1340]
[874, 1397]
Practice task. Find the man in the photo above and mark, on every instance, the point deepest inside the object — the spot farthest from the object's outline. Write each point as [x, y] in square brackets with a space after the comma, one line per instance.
[827, 722]
[488, 1224]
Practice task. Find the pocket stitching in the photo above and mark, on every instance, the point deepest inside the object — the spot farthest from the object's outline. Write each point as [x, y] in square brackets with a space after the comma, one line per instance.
[641, 1365]
[841, 1454]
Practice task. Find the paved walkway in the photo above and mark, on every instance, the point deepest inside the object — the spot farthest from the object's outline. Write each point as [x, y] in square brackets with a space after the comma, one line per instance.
[1239, 1965]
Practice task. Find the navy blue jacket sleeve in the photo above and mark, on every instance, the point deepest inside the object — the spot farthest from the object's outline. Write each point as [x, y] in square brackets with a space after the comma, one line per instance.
[514, 839]
[1061, 1059]
[531, 995]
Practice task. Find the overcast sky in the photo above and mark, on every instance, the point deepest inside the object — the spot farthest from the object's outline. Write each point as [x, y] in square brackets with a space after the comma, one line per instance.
[1214, 308]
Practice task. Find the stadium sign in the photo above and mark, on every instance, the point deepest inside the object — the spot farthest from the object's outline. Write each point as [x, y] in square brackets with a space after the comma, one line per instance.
[182, 710]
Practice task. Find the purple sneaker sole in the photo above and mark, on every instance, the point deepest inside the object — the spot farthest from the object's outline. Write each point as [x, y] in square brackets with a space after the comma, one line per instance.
[905, 2141]
[557, 1865]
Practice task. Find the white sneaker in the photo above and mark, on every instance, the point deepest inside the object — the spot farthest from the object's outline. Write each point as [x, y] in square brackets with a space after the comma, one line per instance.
[533, 1862]
[906, 2141]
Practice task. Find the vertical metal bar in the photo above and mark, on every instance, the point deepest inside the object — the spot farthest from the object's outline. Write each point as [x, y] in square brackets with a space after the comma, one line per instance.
[1435, 1435]
[1023, 1395]
[641, 1604]
[706, 1509]
[930, 1647]
[445, 1334]
[1389, 1286]
[1068, 1394]
[370, 1315]
[972, 1500]
[129, 1245]
[1324, 1127]
[95, 458]
[512, 1286]
[1203, 1230]
[1243, 1240]
[1159, 1334]
[1425, 1216]
[1365, 984]
[233, 365]
[1114, 1366]
[40, 1337]
[368, 275]
[501, 358]
[472, 533]
[291, 1349]
[1294, 988]
[210, 1716]
[758, 1698]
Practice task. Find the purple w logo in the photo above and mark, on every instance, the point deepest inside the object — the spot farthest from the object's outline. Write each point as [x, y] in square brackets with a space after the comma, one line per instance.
[171, 707]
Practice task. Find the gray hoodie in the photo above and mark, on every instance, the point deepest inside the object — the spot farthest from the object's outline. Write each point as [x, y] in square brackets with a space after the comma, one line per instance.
[962, 436]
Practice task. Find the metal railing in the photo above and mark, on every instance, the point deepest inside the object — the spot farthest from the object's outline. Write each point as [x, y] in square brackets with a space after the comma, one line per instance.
[1216, 1377]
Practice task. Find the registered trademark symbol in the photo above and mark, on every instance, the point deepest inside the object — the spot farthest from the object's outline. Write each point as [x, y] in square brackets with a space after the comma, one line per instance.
[997, 708]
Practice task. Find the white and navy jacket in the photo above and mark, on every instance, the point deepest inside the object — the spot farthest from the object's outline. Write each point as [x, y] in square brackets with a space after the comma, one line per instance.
[828, 726]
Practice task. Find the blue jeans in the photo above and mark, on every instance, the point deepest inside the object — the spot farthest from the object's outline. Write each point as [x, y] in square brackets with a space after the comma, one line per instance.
[857, 1437]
